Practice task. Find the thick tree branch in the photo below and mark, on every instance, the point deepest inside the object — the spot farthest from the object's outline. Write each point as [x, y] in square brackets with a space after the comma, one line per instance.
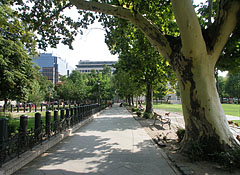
[224, 25]
[158, 40]
[192, 39]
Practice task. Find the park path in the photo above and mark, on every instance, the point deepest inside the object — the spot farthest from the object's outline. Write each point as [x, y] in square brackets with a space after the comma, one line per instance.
[178, 121]
[112, 144]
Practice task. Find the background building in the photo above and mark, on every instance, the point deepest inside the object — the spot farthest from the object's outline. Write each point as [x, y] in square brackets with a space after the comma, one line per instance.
[52, 67]
[85, 66]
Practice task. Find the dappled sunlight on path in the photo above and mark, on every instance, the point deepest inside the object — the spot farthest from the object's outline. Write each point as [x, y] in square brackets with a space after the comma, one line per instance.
[113, 143]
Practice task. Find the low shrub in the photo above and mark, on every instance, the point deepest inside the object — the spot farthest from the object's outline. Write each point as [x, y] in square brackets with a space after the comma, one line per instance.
[134, 109]
[180, 133]
[229, 159]
[147, 115]
[139, 113]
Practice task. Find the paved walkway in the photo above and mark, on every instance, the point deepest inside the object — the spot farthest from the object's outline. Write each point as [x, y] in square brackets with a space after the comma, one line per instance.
[112, 144]
[178, 120]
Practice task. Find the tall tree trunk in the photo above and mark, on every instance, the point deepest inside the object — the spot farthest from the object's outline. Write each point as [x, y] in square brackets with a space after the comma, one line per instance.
[5, 105]
[132, 100]
[129, 100]
[149, 99]
[205, 121]
[136, 101]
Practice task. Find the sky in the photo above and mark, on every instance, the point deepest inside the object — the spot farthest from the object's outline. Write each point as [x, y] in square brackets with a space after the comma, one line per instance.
[89, 46]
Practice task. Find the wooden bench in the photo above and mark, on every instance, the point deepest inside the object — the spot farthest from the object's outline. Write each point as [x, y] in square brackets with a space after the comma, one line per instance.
[162, 120]
[140, 108]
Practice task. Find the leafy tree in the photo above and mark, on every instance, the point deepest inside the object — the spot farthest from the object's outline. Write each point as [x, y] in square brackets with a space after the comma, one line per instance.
[232, 87]
[193, 56]
[15, 70]
[15, 64]
[221, 86]
[193, 53]
[137, 56]
[65, 90]
[125, 85]
[41, 87]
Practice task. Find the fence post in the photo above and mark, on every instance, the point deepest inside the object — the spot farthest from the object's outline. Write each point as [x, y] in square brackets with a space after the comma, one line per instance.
[75, 115]
[24, 107]
[67, 117]
[62, 114]
[55, 120]
[3, 138]
[48, 123]
[18, 107]
[11, 108]
[41, 107]
[72, 117]
[36, 107]
[23, 133]
[38, 125]
[3, 129]
[23, 124]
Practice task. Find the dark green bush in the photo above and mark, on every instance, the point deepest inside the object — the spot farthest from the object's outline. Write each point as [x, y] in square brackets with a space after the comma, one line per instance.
[180, 133]
[139, 113]
[134, 109]
[147, 115]
[229, 159]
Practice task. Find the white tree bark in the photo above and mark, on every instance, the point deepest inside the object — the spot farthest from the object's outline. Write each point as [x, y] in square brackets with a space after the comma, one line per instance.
[191, 35]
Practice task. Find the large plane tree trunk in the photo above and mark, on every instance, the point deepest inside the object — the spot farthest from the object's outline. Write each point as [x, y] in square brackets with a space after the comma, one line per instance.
[205, 121]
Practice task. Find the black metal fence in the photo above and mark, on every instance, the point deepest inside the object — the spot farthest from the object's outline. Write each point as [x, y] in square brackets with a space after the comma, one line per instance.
[30, 107]
[14, 146]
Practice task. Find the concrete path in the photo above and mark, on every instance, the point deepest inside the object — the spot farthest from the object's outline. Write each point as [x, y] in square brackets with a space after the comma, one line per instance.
[178, 120]
[112, 144]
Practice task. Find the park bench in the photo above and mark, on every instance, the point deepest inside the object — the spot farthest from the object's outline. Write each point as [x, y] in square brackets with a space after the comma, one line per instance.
[140, 108]
[163, 121]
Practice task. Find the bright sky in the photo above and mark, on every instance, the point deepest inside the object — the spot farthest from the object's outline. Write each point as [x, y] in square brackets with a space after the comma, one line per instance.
[89, 46]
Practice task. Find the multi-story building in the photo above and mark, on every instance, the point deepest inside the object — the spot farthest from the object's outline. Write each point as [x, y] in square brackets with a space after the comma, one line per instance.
[85, 66]
[52, 67]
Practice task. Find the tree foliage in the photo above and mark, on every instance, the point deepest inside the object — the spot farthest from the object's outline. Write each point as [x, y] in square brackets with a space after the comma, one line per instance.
[16, 71]
[232, 86]
[81, 87]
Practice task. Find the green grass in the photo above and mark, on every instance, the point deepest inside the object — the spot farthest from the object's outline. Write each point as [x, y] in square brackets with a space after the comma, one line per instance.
[229, 109]
[14, 120]
[232, 109]
[169, 107]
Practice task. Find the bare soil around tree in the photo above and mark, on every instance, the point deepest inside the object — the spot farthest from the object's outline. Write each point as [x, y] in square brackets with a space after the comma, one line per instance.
[167, 140]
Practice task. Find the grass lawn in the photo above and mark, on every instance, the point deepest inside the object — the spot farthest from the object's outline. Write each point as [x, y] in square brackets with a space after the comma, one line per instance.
[15, 118]
[229, 109]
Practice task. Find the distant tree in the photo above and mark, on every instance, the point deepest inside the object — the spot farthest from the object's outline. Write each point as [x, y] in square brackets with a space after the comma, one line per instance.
[221, 83]
[16, 69]
[136, 56]
[232, 87]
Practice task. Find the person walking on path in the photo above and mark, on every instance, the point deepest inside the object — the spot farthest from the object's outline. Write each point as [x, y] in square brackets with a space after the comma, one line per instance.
[113, 143]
